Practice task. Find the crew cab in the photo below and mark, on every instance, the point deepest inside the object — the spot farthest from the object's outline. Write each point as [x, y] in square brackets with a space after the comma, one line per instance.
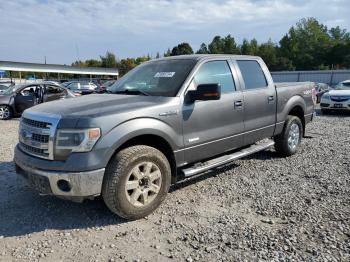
[165, 120]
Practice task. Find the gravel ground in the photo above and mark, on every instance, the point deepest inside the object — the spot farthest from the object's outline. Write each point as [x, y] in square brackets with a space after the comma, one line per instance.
[260, 208]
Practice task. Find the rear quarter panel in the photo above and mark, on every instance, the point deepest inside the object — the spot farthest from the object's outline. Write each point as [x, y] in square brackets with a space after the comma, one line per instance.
[290, 95]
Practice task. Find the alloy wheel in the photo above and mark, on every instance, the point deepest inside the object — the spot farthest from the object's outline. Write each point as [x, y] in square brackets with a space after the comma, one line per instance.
[293, 136]
[143, 184]
[4, 112]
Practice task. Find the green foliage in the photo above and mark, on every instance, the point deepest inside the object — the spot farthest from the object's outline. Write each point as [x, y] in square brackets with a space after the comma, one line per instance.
[167, 53]
[226, 45]
[203, 49]
[308, 45]
[182, 49]
[109, 60]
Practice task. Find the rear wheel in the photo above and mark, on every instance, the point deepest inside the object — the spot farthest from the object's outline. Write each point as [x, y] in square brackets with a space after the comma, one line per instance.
[287, 143]
[136, 181]
[5, 112]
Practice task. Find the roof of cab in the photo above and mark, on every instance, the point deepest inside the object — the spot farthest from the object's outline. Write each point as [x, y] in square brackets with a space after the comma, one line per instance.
[208, 56]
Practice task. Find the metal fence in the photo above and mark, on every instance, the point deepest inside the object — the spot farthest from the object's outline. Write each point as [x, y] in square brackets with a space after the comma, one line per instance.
[330, 77]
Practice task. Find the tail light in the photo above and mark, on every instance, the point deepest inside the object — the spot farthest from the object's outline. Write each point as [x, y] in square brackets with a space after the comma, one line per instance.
[77, 94]
[314, 95]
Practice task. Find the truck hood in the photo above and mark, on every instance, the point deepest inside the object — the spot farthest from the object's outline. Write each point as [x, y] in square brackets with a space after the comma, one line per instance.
[96, 105]
[339, 92]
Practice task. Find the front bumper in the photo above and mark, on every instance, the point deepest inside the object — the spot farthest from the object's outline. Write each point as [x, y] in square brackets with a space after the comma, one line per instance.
[70, 185]
[333, 105]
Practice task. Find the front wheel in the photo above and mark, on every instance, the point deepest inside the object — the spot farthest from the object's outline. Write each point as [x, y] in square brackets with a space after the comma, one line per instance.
[287, 143]
[136, 181]
[5, 112]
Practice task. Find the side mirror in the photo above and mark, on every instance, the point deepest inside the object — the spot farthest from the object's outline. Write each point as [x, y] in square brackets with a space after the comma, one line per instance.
[205, 92]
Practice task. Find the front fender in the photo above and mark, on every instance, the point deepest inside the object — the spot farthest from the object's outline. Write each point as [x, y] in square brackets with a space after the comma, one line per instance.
[137, 127]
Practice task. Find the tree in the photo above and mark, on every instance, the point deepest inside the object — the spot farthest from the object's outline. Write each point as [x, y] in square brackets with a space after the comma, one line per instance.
[158, 55]
[268, 52]
[182, 49]
[125, 65]
[306, 44]
[203, 49]
[249, 48]
[216, 45]
[230, 46]
[226, 45]
[93, 63]
[167, 53]
[109, 60]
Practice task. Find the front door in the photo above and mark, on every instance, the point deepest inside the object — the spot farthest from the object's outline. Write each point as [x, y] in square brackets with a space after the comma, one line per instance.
[25, 98]
[213, 127]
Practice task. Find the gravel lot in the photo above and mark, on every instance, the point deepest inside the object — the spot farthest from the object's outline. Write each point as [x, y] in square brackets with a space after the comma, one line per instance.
[260, 208]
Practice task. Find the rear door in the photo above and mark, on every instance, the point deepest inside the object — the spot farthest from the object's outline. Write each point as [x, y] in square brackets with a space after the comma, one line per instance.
[53, 92]
[259, 100]
[213, 127]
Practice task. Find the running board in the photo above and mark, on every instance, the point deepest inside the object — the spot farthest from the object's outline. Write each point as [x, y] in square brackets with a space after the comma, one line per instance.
[191, 171]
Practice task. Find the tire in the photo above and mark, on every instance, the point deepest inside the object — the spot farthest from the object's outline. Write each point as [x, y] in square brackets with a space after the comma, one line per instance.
[5, 112]
[146, 172]
[287, 143]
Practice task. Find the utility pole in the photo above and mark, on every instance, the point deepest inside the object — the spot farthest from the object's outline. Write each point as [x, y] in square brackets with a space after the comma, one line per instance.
[45, 72]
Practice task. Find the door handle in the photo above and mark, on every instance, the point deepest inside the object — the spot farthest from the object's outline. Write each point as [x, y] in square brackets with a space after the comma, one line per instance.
[238, 104]
[270, 99]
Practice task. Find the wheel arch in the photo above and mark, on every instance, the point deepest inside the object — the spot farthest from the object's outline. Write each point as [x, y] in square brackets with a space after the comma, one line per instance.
[298, 111]
[149, 132]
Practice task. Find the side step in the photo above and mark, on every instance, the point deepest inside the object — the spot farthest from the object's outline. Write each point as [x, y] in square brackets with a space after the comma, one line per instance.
[191, 171]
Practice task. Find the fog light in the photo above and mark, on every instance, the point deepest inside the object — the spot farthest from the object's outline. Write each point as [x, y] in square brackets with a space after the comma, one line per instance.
[63, 185]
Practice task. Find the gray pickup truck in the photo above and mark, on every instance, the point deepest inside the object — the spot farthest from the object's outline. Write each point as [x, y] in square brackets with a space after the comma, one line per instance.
[165, 120]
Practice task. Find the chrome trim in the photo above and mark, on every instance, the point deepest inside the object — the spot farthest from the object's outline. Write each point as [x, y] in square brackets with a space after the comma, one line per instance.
[228, 137]
[83, 184]
[227, 158]
[52, 121]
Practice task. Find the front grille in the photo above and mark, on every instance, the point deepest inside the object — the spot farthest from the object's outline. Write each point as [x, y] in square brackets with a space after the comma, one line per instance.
[34, 150]
[35, 123]
[340, 98]
[40, 138]
[36, 134]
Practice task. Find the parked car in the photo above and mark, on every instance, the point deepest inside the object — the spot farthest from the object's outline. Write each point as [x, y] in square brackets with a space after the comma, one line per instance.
[18, 98]
[3, 88]
[321, 88]
[85, 87]
[5, 85]
[337, 98]
[165, 120]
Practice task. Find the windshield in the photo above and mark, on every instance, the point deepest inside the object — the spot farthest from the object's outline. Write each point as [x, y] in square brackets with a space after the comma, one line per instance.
[156, 78]
[12, 89]
[343, 86]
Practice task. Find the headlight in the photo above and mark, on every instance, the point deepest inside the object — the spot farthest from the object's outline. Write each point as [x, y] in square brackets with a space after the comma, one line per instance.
[76, 140]
[325, 96]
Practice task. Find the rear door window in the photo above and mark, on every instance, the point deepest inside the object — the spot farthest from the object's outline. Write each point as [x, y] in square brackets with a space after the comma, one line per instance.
[252, 74]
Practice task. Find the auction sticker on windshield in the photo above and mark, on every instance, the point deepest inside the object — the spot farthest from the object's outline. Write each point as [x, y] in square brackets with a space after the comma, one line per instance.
[164, 74]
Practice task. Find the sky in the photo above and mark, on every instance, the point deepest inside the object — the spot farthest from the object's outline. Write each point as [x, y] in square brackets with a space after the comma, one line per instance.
[67, 30]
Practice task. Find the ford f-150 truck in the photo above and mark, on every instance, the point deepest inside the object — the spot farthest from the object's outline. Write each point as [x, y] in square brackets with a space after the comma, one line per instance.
[165, 120]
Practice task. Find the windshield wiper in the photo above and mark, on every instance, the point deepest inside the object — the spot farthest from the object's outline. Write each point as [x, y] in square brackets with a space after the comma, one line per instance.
[132, 92]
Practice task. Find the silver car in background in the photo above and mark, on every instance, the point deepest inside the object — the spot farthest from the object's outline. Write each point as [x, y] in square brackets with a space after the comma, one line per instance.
[337, 98]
